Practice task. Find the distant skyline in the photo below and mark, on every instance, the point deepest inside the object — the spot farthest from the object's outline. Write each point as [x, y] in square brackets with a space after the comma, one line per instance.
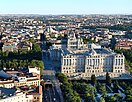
[55, 7]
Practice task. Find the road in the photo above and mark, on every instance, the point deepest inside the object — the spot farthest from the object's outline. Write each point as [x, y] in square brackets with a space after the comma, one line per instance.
[54, 92]
[51, 95]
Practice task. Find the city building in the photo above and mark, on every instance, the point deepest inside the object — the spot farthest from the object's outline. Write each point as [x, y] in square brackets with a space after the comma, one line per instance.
[10, 79]
[12, 95]
[127, 45]
[78, 60]
[9, 48]
[22, 94]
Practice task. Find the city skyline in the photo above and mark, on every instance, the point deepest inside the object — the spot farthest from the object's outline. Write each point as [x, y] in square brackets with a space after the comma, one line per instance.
[58, 7]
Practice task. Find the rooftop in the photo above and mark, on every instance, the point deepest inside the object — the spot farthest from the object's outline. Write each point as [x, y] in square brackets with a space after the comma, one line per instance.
[7, 92]
[86, 52]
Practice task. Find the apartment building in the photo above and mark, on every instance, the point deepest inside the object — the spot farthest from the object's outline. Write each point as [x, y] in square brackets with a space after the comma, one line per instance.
[17, 78]
[20, 95]
[127, 45]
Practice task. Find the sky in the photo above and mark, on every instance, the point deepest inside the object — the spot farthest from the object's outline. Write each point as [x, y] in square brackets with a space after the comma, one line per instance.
[55, 7]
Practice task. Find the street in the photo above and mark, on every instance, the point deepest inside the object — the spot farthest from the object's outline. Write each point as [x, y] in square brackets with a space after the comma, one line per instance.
[51, 93]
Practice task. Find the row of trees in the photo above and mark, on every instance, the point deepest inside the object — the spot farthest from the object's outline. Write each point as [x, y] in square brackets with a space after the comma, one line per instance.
[85, 91]
[94, 80]
[128, 93]
[104, 89]
[76, 90]
[21, 63]
[22, 58]
[69, 94]
[82, 89]
[127, 86]
[35, 53]
[125, 27]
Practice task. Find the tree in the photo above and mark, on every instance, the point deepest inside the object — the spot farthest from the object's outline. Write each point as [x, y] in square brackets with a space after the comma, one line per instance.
[92, 98]
[116, 86]
[42, 37]
[118, 97]
[69, 94]
[102, 90]
[85, 40]
[48, 44]
[83, 89]
[76, 97]
[93, 79]
[128, 91]
[128, 98]
[72, 96]
[62, 78]
[36, 63]
[102, 99]
[31, 40]
[36, 47]
[108, 79]
[65, 36]
[112, 99]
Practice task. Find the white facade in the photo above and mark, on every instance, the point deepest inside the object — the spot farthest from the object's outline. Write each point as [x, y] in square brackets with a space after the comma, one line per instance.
[23, 97]
[22, 81]
[83, 61]
[86, 65]
[73, 42]
[34, 70]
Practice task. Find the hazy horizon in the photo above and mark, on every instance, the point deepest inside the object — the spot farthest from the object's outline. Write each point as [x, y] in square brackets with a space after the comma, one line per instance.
[66, 7]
